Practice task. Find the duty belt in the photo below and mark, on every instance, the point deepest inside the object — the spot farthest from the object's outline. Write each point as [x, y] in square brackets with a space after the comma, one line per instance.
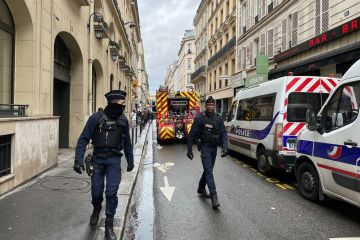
[107, 154]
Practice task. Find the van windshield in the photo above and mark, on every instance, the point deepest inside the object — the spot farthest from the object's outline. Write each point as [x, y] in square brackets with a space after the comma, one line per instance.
[299, 102]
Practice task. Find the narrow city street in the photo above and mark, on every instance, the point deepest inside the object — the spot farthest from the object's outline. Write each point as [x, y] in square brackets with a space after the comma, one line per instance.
[252, 206]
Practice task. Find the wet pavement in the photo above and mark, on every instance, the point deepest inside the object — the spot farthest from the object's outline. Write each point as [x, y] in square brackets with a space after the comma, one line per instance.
[140, 219]
[253, 206]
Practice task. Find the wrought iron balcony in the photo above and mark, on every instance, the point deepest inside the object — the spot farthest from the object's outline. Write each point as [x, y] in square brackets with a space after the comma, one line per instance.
[198, 72]
[12, 110]
[222, 52]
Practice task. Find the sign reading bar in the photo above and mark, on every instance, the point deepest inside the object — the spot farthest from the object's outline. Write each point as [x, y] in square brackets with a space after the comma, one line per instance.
[342, 30]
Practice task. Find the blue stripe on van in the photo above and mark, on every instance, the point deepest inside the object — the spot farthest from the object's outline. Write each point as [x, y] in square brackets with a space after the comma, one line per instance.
[324, 150]
[254, 134]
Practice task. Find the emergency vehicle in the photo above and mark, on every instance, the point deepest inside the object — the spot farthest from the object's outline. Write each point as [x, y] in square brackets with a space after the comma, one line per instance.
[328, 152]
[263, 118]
[176, 112]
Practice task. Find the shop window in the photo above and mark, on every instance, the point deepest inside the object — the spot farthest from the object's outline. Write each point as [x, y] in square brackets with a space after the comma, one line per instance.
[5, 155]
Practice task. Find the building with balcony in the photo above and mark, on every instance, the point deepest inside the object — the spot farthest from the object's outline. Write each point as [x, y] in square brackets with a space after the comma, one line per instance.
[57, 60]
[185, 61]
[221, 32]
[170, 76]
[313, 37]
[198, 77]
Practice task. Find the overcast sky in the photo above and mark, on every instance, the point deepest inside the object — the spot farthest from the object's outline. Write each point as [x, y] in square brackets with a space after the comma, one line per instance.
[163, 24]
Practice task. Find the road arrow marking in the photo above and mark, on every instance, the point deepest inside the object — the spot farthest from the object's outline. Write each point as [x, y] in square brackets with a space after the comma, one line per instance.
[167, 190]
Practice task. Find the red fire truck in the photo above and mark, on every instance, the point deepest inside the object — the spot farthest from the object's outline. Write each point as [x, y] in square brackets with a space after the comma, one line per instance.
[176, 111]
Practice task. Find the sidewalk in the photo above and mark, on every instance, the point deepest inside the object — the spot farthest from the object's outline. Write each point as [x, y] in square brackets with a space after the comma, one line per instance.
[57, 204]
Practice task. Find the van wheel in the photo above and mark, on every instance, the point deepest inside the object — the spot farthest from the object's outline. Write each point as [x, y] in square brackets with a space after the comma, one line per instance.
[308, 181]
[262, 162]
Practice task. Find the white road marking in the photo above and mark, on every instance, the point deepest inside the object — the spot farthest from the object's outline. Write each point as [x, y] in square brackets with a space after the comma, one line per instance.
[167, 190]
[164, 167]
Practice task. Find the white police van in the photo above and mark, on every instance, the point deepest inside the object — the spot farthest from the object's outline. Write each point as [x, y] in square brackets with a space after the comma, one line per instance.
[263, 118]
[328, 151]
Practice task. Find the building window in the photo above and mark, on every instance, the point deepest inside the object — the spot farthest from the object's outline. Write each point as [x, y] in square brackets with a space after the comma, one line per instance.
[189, 63]
[321, 16]
[220, 80]
[289, 28]
[5, 155]
[189, 48]
[7, 32]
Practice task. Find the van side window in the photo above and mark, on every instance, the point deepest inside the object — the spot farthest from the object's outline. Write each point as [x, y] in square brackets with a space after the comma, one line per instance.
[343, 108]
[232, 110]
[246, 110]
[300, 102]
[264, 107]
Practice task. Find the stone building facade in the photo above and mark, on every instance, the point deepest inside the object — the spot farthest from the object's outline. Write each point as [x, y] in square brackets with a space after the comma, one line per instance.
[314, 37]
[185, 65]
[215, 24]
[58, 59]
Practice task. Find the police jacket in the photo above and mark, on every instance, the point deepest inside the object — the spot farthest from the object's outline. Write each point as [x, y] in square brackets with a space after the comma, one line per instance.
[202, 127]
[88, 134]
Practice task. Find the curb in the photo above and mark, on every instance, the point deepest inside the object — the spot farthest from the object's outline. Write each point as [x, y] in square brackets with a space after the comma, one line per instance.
[125, 192]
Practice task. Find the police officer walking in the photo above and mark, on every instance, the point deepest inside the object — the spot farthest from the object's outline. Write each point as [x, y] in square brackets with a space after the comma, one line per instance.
[108, 131]
[208, 127]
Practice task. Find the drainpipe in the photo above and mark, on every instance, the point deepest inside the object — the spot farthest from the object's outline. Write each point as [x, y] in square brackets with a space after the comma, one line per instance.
[91, 30]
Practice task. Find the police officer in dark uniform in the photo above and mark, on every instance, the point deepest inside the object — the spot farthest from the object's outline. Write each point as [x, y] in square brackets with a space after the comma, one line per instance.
[108, 131]
[208, 127]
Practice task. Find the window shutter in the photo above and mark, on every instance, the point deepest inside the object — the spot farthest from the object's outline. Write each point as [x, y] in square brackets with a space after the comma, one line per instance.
[251, 54]
[283, 34]
[263, 8]
[325, 15]
[317, 17]
[294, 28]
[262, 44]
[270, 37]
[243, 57]
[239, 60]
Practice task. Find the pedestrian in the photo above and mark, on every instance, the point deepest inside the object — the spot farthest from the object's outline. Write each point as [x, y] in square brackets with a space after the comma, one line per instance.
[109, 132]
[133, 118]
[208, 127]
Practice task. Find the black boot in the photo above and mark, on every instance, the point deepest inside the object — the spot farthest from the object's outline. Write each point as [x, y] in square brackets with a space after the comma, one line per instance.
[95, 216]
[202, 191]
[214, 200]
[109, 231]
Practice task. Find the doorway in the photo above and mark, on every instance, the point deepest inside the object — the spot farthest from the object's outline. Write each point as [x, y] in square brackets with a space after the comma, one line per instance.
[61, 101]
[61, 108]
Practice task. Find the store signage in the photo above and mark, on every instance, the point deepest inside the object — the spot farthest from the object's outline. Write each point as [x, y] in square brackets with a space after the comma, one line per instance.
[342, 30]
[262, 70]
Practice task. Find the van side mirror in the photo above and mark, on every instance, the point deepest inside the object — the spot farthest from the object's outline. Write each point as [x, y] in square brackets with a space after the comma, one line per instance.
[311, 119]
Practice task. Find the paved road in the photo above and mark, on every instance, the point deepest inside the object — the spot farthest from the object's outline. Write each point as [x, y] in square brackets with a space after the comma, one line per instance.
[252, 206]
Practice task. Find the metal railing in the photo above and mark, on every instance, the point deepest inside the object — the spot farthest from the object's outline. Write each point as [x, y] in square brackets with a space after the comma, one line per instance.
[199, 71]
[222, 52]
[13, 110]
[5, 155]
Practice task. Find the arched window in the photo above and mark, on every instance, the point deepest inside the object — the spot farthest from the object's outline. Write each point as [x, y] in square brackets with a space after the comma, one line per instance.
[7, 32]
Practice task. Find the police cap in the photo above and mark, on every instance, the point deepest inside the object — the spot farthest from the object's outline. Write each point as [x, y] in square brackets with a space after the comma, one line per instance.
[115, 94]
[210, 100]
